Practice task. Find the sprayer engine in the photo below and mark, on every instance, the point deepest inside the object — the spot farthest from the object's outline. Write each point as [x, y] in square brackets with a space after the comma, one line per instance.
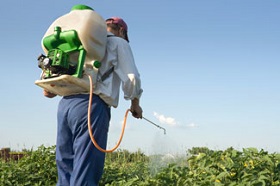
[60, 46]
[56, 64]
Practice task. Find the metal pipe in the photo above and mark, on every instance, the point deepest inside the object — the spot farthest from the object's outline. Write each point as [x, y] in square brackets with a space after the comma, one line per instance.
[155, 124]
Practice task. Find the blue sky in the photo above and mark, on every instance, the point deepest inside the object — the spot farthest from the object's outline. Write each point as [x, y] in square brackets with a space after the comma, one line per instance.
[209, 69]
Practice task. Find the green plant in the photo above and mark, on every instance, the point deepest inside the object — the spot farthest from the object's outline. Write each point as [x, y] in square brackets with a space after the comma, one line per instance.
[36, 168]
[201, 167]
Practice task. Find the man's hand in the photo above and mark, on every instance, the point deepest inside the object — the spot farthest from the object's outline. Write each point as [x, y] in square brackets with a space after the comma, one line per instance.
[135, 109]
[48, 94]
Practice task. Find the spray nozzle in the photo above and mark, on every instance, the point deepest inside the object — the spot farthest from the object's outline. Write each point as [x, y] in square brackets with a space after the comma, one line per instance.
[164, 130]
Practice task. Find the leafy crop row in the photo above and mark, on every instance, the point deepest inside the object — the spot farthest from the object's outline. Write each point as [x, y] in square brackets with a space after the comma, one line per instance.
[35, 168]
[200, 167]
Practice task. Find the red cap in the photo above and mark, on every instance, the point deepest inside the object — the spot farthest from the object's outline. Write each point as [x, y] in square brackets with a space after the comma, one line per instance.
[119, 21]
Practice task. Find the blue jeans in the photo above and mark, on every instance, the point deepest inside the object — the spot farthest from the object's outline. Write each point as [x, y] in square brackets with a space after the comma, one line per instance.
[79, 163]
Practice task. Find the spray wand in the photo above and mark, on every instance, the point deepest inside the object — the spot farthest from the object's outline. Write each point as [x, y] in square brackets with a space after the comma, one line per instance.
[155, 124]
[164, 130]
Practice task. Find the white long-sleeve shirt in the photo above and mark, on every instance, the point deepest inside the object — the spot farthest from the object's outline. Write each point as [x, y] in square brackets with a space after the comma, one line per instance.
[125, 74]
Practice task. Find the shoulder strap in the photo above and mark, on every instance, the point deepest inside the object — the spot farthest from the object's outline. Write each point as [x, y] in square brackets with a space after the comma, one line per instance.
[107, 73]
[110, 70]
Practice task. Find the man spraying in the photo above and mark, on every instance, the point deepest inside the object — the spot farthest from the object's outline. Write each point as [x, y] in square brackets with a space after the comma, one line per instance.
[79, 162]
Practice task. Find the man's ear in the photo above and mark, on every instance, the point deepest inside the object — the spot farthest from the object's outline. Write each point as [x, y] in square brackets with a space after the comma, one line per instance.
[121, 32]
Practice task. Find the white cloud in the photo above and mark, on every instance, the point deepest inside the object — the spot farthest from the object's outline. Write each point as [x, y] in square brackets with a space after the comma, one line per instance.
[192, 125]
[166, 120]
[172, 121]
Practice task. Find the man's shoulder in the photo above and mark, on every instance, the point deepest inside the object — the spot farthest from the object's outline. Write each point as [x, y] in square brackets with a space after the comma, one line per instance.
[112, 37]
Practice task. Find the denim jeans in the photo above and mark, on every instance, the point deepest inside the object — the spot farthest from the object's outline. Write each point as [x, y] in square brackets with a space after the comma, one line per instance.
[79, 163]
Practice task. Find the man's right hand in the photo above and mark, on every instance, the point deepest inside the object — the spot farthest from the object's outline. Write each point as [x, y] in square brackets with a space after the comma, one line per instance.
[48, 94]
[135, 108]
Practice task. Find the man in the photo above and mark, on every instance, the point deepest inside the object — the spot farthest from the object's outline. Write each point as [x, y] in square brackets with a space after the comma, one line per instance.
[79, 163]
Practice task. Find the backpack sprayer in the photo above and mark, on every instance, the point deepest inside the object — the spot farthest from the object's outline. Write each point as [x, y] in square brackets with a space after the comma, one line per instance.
[74, 45]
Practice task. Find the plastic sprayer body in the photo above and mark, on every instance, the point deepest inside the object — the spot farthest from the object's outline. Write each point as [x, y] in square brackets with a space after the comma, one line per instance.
[74, 45]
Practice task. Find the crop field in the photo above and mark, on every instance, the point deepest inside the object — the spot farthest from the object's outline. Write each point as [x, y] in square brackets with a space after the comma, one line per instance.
[200, 166]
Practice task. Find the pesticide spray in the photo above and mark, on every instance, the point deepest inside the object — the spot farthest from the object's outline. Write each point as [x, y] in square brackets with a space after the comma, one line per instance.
[74, 45]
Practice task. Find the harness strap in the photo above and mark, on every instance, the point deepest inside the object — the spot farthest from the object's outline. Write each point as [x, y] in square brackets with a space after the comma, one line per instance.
[107, 73]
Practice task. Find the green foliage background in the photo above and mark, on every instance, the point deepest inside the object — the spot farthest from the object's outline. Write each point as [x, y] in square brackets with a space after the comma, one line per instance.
[199, 167]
